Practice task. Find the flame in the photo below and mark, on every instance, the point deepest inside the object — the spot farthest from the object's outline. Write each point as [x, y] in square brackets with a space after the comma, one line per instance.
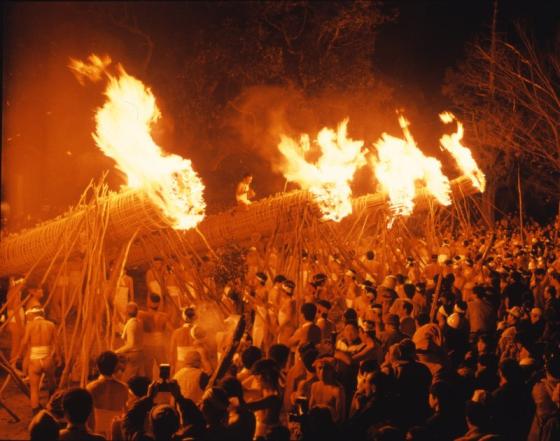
[92, 70]
[123, 132]
[462, 154]
[400, 166]
[328, 178]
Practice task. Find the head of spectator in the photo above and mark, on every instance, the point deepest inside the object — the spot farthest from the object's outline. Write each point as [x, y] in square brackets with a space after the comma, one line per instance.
[107, 363]
[250, 356]
[350, 316]
[409, 290]
[232, 387]
[510, 372]
[164, 421]
[308, 355]
[308, 310]
[325, 369]
[267, 374]
[392, 322]
[138, 386]
[77, 404]
[477, 415]
[43, 427]
[441, 396]
[280, 354]
[215, 406]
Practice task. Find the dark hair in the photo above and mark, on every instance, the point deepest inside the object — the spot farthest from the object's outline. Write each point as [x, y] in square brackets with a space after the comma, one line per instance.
[407, 306]
[409, 289]
[443, 392]
[477, 414]
[511, 371]
[423, 318]
[138, 385]
[77, 404]
[350, 315]
[268, 371]
[308, 357]
[279, 353]
[278, 433]
[400, 278]
[107, 363]
[214, 406]
[165, 421]
[43, 426]
[155, 298]
[279, 278]
[309, 310]
[250, 356]
[232, 387]
[370, 255]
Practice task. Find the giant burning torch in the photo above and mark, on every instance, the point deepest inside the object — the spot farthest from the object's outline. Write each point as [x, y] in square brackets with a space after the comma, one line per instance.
[164, 192]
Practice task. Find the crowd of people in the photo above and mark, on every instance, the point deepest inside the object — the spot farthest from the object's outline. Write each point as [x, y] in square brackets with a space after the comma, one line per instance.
[460, 343]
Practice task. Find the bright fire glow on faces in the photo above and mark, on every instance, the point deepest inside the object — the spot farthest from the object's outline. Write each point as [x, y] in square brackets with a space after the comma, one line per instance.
[328, 178]
[401, 166]
[462, 154]
[123, 132]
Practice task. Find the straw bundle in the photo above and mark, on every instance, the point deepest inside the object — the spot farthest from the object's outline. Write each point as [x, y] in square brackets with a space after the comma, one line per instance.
[132, 211]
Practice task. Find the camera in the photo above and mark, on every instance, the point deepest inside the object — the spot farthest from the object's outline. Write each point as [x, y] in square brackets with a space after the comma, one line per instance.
[164, 374]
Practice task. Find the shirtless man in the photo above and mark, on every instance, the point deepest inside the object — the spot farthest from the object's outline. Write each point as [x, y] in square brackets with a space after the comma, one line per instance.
[154, 323]
[39, 337]
[109, 394]
[181, 340]
[244, 193]
[132, 348]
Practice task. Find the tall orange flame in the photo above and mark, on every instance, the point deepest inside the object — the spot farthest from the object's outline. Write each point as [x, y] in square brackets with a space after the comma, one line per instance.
[462, 154]
[123, 132]
[328, 178]
[400, 166]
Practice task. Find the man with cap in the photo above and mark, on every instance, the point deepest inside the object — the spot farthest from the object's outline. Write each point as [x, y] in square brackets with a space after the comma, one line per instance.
[132, 349]
[39, 336]
[181, 339]
[191, 378]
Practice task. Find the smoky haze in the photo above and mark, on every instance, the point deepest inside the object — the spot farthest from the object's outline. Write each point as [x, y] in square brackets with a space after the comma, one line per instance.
[48, 153]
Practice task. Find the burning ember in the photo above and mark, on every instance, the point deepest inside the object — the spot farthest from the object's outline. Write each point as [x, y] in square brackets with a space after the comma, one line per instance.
[462, 154]
[401, 166]
[328, 178]
[123, 132]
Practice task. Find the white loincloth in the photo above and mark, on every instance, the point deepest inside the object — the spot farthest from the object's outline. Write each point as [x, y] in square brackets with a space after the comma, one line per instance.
[39, 352]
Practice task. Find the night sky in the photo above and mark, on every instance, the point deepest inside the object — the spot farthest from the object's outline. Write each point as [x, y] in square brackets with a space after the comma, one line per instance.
[47, 153]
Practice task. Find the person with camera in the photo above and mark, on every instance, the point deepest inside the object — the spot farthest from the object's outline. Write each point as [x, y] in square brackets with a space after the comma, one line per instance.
[164, 419]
